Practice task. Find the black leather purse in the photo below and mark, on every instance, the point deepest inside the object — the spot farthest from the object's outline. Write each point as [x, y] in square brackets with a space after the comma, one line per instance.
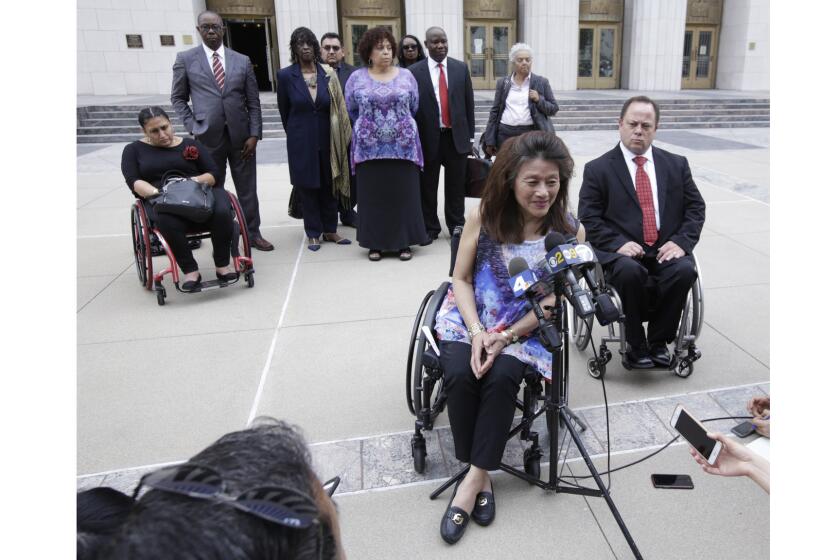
[477, 170]
[181, 196]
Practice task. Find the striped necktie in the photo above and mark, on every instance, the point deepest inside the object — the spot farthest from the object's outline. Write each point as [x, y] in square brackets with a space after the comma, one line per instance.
[218, 71]
[645, 194]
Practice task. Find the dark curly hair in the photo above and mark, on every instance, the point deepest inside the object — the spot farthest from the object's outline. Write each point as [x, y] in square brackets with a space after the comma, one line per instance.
[371, 39]
[421, 54]
[303, 35]
[500, 212]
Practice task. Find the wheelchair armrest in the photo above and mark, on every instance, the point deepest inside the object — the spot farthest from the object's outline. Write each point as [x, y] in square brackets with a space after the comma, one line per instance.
[431, 360]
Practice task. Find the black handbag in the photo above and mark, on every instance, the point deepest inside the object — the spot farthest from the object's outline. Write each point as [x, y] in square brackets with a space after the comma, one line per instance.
[295, 209]
[477, 170]
[181, 196]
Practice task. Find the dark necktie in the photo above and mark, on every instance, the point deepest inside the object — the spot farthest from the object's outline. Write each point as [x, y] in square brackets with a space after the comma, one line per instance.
[645, 194]
[218, 71]
[444, 98]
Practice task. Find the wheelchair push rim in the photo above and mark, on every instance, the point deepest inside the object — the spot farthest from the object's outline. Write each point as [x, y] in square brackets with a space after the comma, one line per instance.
[418, 339]
[141, 244]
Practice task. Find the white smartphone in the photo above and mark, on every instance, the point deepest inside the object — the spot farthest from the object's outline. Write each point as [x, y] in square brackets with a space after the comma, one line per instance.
[695, 434]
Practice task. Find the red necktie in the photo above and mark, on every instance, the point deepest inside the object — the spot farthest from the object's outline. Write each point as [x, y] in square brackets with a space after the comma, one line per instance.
[645, 194]
[218, 71]
[444, 98]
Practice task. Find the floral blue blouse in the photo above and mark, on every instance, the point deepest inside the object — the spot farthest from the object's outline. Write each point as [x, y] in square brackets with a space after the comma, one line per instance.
[383, 117]
[497, 307]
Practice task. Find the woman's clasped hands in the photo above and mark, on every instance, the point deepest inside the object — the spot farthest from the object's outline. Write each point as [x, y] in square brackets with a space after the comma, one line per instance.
[486, 346]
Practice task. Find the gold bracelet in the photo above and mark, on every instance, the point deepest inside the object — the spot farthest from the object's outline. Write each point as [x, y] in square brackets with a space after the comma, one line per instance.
[510, 334]
[474, 329]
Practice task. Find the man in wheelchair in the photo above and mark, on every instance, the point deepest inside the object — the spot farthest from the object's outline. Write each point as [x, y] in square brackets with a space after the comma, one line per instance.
[643, 215]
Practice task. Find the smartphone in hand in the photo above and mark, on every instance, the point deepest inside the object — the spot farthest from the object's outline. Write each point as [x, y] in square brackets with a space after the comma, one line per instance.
[695, 434]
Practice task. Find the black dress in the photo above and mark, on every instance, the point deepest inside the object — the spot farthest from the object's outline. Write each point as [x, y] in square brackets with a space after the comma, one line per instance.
[150, 163]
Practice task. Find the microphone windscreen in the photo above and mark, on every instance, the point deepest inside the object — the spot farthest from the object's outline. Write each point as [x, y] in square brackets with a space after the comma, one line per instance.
[552, 240]
[517, 265]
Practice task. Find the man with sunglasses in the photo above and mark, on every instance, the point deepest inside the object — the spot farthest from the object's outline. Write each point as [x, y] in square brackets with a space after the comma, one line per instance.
[332, 53]
[225, 115]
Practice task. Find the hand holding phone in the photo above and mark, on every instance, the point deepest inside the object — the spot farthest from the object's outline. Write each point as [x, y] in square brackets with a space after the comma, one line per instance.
[695, 434]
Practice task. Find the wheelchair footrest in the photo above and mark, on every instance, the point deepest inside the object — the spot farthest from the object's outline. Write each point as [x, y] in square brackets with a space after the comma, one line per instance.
[209, 285]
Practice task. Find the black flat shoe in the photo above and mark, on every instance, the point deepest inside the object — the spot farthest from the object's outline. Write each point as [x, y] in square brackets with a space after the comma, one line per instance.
[192, 285]
[484, 511]
[454, 522]
[659, 355]
[228, 276]
[638, 359]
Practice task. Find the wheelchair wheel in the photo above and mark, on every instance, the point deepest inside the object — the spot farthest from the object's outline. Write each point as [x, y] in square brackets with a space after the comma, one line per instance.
[161, 297]
[415, 361]
[684, 368]
[531, 462]
[595, 369]
[418, 452]
[141, 245]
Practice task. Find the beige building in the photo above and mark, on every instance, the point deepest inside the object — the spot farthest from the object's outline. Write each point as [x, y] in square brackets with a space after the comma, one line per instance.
[128, 46]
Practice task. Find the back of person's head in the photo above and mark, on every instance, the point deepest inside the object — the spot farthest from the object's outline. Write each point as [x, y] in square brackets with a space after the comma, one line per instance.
[500, 212]
[167, 525]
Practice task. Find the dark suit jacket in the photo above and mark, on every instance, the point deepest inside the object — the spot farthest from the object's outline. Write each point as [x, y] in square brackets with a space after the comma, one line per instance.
[307, 124]
[237, 106]
[541, 111]
[344, 70]
[609, 207]
[461, 107]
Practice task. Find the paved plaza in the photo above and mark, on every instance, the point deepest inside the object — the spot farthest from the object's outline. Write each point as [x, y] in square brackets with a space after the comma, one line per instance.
[321, 341]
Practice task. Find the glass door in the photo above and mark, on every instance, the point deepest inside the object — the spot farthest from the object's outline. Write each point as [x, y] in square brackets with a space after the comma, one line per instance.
[355, 28]
[598, 56]
[699, 53]
[487, 47]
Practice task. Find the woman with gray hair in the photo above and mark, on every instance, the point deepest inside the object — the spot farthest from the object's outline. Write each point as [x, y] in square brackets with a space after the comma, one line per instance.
[524, 102]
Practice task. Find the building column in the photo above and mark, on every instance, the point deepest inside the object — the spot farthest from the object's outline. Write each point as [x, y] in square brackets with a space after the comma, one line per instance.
[744, 49]
[654, 32]
[423, 14]
[550, 27]
[318, 15]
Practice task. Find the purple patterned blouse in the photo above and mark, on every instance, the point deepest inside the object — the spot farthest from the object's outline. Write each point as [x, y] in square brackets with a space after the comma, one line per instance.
[383, 117]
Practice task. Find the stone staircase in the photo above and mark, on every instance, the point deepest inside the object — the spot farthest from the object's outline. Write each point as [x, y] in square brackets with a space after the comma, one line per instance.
[117, 124]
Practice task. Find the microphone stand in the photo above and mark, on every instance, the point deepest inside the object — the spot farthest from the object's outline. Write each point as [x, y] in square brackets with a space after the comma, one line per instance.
[554, 336]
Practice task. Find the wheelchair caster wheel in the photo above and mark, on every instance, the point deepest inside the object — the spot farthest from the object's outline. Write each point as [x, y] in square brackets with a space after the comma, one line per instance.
[532, 463]
[249, 279]
[161, 297]
[596, 370]
[684, 369]
[418, 451]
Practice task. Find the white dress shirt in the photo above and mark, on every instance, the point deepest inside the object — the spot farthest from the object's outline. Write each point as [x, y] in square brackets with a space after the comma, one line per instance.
[434, 71]
[516, 111]
[209, 54]
[649, 168]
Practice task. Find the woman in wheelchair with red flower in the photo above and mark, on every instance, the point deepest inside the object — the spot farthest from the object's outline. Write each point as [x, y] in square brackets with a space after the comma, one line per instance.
[144, 164]
[486, 332]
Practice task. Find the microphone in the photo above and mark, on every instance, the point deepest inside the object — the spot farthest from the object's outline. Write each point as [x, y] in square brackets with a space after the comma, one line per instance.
[560, 258]
[605, 309]
[523, 282]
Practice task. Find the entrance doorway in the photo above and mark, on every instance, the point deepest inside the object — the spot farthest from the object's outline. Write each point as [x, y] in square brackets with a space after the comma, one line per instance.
[599, 56]
[699, 54]
[252, 37]
[354, 29]
[487, 48]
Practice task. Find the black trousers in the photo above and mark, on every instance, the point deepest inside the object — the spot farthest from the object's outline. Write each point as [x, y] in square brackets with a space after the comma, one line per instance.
[673, 279]
[454, 185]
[244, 175]
[320, 207]
[506, 132]
[480, 410]
[175, 228]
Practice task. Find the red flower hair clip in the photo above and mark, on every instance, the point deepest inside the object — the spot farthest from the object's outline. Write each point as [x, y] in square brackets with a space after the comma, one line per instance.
[191, 153]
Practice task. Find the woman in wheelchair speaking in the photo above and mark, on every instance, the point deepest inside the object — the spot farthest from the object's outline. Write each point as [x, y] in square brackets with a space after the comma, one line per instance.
[484, 330]
[146, 161]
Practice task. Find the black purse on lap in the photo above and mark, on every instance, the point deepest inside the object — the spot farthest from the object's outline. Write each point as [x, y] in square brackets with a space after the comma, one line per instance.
[181, 196]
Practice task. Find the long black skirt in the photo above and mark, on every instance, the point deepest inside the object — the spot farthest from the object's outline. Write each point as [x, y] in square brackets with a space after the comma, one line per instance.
[388, 205]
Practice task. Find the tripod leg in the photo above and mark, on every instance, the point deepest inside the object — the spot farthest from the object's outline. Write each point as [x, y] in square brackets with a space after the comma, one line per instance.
[564, 417]
[442, 488]
[580, 425]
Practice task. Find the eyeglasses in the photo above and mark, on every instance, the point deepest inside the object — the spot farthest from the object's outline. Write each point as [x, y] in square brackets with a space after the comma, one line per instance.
[207, 27]
[277, 504]
[409, 47]
[331, 48]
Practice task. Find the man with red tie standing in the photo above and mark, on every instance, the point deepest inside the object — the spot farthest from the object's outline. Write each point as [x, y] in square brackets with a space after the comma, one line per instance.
[446, 123]
[643, 215]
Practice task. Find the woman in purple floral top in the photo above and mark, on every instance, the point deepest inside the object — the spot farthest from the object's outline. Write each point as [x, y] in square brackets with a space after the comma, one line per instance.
[487, 335]
[385, 153]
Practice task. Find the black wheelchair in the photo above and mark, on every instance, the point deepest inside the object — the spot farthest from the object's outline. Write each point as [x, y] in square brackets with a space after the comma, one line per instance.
[685, 344]
[148, 242]
[424, 387]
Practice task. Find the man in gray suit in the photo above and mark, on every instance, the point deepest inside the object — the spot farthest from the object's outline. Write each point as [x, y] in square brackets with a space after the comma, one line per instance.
[225, 115]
